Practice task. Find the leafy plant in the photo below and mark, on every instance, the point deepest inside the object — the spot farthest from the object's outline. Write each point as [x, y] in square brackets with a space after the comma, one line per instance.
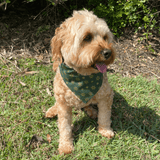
[4, 2]
[122, 13]
[42, 29]
[119, 14]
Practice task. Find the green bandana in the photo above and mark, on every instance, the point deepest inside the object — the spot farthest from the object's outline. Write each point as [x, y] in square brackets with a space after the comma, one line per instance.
[84, 87]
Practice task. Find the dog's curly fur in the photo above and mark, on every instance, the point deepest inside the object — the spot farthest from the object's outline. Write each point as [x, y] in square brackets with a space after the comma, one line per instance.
[79, 42]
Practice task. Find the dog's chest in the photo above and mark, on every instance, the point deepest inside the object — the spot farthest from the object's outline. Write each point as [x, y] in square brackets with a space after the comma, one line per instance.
[62, 91]
[84, 87]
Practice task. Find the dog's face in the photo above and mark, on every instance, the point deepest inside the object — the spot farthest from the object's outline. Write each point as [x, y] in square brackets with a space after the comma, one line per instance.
[83, 40]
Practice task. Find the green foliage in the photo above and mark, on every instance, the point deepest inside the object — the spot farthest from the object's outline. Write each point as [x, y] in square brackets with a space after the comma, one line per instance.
[42, 29]
[55, 2]
[119, 14]
[5, 1]
[122, 13]
[30, 0]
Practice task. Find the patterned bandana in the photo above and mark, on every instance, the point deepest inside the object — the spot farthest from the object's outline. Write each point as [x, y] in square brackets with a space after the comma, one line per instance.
[84, 87]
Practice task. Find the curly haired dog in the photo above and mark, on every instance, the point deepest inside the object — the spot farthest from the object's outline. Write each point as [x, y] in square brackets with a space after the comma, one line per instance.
[82, 49]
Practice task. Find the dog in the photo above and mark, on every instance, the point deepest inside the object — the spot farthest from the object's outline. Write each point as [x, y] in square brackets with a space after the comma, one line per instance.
[82, 49]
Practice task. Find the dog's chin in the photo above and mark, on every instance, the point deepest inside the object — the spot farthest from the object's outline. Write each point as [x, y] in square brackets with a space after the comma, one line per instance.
[96, 67]
[86, 70]
[92, 67]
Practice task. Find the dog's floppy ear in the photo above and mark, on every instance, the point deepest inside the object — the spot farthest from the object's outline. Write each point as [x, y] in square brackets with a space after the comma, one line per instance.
[56, 43]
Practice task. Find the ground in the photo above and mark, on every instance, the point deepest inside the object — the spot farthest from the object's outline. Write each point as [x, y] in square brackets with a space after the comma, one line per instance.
[26, 33]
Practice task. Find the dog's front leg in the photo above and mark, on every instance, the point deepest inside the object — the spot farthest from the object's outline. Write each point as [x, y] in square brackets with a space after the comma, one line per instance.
[104, 116]
[65, 129]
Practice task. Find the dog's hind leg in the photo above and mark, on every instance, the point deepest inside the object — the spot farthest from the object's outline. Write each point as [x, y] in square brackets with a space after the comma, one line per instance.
[52, 112]
[91, 112]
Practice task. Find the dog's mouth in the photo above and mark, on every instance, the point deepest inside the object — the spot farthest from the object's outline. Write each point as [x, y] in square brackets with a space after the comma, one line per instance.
[101, 66]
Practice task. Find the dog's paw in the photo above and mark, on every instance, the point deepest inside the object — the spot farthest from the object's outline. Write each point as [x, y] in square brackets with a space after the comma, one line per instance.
[106, 132]
[91, 112]
[52, 112]
[65, 148]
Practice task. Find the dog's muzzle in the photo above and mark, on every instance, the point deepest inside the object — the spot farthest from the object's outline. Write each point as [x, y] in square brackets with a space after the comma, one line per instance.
[106, 53]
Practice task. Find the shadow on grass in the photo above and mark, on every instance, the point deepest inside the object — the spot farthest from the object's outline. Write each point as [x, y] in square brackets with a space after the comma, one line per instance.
[142, 121]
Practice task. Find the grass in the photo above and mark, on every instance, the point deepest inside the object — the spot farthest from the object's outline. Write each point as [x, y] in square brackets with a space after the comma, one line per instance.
[26, 93]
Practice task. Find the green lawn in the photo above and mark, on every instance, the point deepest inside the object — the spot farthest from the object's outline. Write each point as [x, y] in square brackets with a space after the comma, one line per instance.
[26, 92]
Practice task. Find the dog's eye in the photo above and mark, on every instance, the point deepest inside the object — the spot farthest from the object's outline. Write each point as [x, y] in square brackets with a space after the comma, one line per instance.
[88, 38]
[105, 37]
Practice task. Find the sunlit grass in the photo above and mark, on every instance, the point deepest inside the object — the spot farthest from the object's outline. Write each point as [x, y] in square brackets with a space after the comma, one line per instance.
[26, 92]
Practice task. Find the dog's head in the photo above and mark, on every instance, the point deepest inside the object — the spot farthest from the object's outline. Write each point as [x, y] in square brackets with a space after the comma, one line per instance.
[82, 41]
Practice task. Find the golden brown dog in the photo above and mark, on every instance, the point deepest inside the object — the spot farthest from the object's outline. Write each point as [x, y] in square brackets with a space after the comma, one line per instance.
[82, 49]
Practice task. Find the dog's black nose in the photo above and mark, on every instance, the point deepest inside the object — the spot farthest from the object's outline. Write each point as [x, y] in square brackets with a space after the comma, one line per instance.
[106, 52]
